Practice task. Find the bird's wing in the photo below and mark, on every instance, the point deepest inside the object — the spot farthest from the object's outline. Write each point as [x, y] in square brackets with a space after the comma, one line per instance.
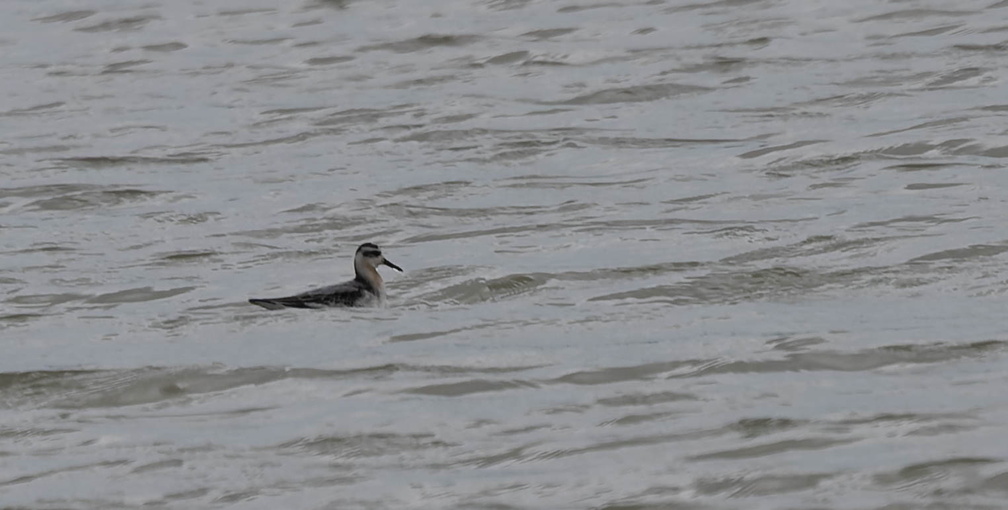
[341, 294]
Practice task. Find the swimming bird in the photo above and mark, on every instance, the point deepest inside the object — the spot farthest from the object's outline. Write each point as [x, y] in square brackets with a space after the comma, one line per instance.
[366, 288]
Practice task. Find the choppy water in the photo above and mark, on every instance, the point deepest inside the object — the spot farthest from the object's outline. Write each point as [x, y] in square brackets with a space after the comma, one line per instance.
[728, 254]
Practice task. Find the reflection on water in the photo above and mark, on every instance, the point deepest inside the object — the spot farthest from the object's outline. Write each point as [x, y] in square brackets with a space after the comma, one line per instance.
[660, 255]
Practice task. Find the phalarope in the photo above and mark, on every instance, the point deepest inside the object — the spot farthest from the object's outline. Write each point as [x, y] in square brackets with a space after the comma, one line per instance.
[366, 288]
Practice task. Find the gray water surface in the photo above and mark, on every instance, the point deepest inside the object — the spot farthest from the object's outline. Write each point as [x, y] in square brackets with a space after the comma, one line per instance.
[704, 255]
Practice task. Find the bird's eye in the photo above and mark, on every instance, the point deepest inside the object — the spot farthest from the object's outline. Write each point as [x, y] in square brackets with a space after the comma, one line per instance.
[372, 254]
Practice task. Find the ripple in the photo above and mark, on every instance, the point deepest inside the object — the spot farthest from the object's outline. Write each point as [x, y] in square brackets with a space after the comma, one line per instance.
[64, 17]
[366, 445]
[46, 299]
[774, 448]
[166, 47]
[770, 150]
[926, 475]
[469, 387]
[635, 94]
[481, 290]
[423, 42]
[549, 33]
[137, 295]
[913, 14]
[128, 24]
[113, 161]
[969, 252]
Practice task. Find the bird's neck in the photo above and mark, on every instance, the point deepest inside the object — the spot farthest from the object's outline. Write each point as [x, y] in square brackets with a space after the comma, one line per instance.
[369, 276]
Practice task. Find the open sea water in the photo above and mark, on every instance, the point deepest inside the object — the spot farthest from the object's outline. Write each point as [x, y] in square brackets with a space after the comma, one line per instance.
[681, 254]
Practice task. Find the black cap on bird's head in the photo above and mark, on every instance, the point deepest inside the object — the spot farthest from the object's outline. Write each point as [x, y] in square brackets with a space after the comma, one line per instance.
[373, 253]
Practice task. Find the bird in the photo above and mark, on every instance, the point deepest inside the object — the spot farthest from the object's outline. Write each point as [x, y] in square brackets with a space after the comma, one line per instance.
[367, 287]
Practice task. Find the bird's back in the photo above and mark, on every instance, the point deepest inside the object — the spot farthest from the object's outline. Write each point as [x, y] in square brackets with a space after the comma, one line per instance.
[350, 293]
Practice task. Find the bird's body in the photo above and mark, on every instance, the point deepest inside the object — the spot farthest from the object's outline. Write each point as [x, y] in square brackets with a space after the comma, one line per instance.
[367, 288]
[351, 293]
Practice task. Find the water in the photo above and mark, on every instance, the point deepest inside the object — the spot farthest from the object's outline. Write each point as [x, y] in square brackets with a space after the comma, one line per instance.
[731, 254]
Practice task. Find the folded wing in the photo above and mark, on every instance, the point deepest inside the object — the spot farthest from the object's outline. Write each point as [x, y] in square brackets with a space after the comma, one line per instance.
[344, 294]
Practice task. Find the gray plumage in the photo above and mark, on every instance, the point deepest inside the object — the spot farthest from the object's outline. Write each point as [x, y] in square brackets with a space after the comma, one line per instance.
[365, 289]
